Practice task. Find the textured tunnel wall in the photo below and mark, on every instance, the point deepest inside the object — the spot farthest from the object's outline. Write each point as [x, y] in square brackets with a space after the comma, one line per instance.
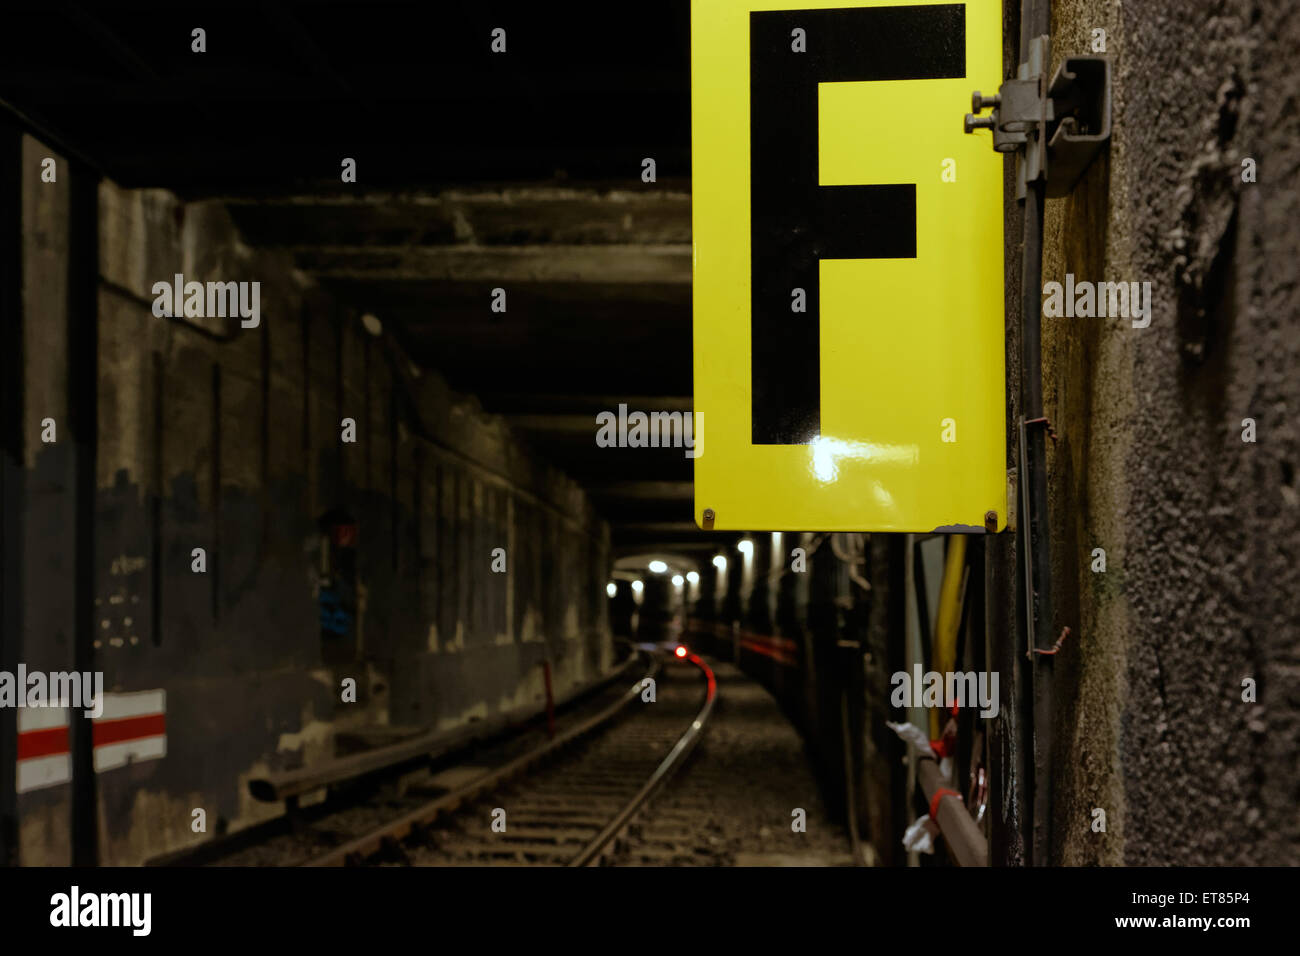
[229, 439]
[1199, 528]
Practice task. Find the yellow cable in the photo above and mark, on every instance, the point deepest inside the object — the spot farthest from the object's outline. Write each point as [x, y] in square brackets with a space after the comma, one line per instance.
[943, 655]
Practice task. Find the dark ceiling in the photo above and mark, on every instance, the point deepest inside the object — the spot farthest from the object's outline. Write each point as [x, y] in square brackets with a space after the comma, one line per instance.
[475, 170]
[411, 90]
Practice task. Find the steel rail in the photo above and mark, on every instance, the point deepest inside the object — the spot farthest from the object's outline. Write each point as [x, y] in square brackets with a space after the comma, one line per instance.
[593, 851]
[291, 783]
[355, 850]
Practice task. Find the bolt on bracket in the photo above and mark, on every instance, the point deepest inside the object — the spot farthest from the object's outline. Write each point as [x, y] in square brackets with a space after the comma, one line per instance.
[1056, 126]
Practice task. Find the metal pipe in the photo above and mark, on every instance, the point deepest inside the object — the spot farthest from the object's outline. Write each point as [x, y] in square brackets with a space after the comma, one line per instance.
[966, 843]
[1041, 594]
[1035, 21]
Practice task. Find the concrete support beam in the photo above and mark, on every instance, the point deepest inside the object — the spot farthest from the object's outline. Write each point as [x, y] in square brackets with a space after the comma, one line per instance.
[629, 528]
[573, 425]
[663, 264]
[486, 217]
[511, 403]
[584, 423]
[643, 490]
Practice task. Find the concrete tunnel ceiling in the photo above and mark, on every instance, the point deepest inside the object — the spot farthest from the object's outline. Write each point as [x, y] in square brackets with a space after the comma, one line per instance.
[528, 181]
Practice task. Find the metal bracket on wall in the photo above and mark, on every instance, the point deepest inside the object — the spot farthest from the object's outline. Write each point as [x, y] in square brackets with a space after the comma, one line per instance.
[1026, 539]
[1056, 128]
[1026, 536]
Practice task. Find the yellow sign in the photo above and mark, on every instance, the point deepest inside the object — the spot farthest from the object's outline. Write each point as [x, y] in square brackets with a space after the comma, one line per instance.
[848, 267]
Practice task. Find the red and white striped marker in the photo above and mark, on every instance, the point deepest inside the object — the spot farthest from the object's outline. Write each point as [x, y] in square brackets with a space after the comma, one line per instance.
[43, 757]
[132, 728]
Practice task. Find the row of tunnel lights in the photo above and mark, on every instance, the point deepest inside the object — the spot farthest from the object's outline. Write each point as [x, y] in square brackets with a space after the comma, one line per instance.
[746, 547]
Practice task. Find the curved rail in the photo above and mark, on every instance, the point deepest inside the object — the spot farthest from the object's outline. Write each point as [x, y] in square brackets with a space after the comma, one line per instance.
[292, 783]
[593, 851]
[372, 842]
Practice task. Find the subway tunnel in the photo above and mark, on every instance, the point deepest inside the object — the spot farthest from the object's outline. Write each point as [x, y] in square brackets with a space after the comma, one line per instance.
[350, 373]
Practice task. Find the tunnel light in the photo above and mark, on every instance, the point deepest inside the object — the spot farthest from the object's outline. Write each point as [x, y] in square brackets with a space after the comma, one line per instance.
[746, 547]
[658, 567]
[372, 324]
[720, 562]
[693, 577]
[611, 588]
[678, 580]
[637, 587]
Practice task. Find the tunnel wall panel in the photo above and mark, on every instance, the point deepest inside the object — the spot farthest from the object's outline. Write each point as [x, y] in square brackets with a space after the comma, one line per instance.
[228, 439]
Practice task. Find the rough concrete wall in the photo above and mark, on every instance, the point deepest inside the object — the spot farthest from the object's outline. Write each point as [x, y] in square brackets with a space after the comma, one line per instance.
[228, 439]
[1199, 527]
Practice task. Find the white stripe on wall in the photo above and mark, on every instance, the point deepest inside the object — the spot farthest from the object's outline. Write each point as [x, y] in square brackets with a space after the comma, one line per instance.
[112, 756]
[37, 772]
[41, 718]
[117, 706]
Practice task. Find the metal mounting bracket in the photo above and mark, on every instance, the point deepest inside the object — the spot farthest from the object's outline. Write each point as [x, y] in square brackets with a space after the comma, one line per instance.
[1056, 128]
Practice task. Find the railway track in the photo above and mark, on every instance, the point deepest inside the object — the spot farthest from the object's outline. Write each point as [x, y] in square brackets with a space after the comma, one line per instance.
[585, 797]
[564, 804]
[733, 803]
